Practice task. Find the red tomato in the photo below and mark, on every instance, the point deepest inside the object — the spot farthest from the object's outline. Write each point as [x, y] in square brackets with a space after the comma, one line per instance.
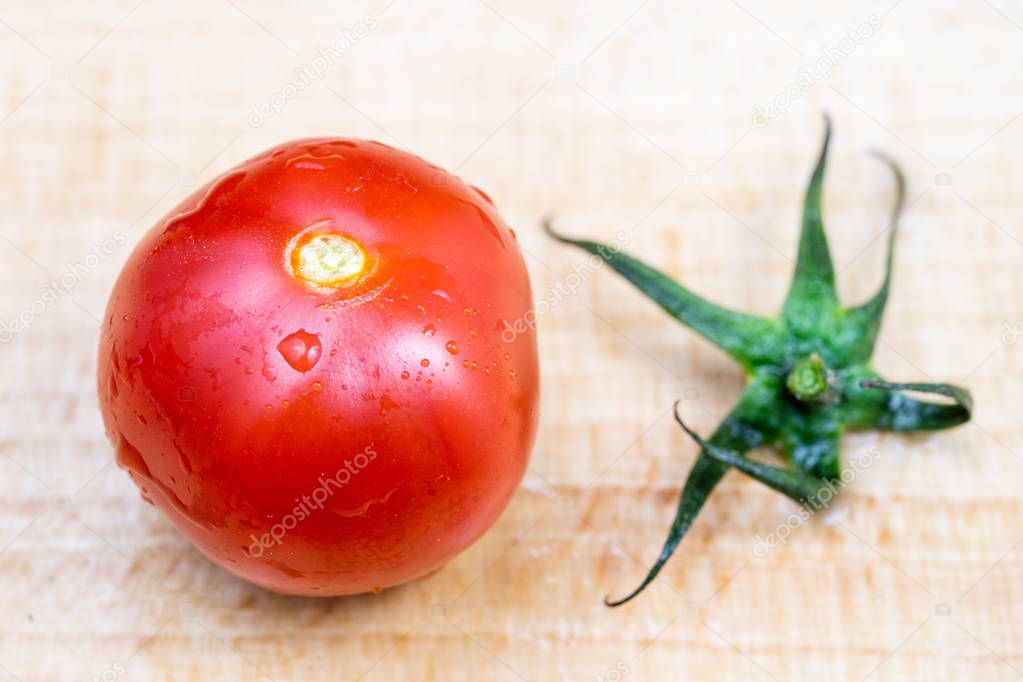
[316, 367]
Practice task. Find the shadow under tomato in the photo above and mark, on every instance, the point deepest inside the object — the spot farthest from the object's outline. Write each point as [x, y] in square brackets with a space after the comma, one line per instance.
[173, 562]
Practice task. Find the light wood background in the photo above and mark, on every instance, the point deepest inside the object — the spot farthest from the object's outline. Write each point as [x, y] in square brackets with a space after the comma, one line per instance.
[634, 116]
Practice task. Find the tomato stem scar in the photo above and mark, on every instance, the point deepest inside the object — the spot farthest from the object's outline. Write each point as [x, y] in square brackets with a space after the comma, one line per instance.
[326, 259]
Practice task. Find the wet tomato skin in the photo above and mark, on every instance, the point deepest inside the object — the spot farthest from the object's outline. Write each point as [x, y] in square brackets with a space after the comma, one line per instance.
[312, 430]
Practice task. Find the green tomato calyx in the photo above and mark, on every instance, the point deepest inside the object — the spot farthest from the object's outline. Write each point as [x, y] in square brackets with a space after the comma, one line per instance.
[793, 400]
[810, 381]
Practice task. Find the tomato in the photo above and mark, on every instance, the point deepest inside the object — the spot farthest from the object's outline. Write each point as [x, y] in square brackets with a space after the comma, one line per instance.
[316, 367]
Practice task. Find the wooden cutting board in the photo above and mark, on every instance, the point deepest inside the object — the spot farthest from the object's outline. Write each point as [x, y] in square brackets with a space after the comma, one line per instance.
[691, 126]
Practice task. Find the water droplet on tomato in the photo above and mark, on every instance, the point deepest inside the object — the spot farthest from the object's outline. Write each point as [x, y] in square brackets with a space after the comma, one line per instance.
[483, 194]
[452, 347]
[317, 386]
[214, 197]
[386, 403]
[440, 293]
[301, 350]
[424, 362]
[469, 310]
[269, 372]
[305, 163]
[130, 459]
[429, 330]
[405, 374]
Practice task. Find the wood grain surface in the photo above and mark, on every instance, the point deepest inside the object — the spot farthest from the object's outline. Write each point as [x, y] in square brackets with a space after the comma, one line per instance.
[691, 126]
